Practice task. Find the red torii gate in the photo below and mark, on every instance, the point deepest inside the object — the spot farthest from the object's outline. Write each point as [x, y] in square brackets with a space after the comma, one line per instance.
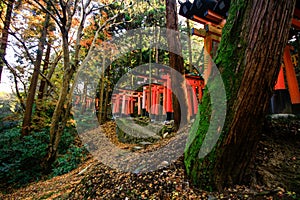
[212, 31]
[159, 100]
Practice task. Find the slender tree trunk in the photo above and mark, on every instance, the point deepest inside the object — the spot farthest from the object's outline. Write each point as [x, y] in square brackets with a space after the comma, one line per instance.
[249, 59]
[84, 97]
[102, 81]
[105, 108]
[189, 45]
[50, 74]
[157, 40]
[4, 37]
[176, 62]
[41, 91]
[34, 80]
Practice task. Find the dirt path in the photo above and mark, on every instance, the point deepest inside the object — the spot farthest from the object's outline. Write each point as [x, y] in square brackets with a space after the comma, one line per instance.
[277, 175]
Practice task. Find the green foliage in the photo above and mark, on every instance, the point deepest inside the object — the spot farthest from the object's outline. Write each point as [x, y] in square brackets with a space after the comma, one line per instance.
[292, 195]
[20, 157]
[69, 161]
[9, 109]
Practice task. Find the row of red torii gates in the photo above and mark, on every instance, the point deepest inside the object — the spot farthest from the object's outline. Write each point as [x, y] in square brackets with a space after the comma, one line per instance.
[213, 18]
[156, 99]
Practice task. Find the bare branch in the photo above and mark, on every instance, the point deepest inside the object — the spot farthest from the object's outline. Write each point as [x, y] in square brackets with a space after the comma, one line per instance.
[75, 7]
[97, 34]
[50, 13]
[55, 9]
[23, 44]
[16, 77]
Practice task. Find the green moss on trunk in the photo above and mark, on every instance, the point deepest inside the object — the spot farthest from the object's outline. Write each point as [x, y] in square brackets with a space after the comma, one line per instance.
[248, 59]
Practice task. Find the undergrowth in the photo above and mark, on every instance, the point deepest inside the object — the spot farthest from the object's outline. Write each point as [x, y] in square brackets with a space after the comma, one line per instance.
[21, 157]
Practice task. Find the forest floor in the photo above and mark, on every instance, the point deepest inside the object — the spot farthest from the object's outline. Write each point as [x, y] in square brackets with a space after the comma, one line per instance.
[277, 175]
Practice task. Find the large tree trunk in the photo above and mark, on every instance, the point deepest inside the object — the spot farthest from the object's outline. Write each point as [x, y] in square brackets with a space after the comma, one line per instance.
[4, 37]
[176, 62]
[34, 80]
[249, 59]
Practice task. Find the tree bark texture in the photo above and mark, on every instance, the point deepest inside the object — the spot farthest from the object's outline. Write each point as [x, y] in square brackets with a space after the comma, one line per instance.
[63, 107]
[60, 113]
[34, 80]
[43, 82]
[249, 59]
[4, 37]
[176, 62]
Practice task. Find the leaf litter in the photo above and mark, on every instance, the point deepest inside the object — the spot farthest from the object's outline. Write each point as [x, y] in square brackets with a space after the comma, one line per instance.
[94, 180]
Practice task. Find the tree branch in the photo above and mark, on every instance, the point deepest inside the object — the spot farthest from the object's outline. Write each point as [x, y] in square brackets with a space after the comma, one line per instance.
[50, 13]
[15, 74]
[23, 44]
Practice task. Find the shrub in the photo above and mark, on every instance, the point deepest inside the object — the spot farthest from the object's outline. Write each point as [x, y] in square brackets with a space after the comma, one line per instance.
[20, 157]
[69, 161]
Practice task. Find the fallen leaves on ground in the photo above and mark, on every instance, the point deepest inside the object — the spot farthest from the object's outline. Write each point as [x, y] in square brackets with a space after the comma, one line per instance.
[59, 186]
[94, 180]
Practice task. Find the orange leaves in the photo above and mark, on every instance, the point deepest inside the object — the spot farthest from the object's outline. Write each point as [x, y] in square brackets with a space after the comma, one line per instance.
[104, 14]
[86, 42]
[75, 22]
[107, 34]
[71, 122]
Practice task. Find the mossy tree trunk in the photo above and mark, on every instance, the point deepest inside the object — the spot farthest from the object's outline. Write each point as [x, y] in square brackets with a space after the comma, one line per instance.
[249, 59]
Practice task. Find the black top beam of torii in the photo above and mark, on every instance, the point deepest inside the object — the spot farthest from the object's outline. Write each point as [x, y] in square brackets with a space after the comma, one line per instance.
[202, 8]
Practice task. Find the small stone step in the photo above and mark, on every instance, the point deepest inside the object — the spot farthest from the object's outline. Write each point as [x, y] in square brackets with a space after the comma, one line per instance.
[145, 143]
[136, 148]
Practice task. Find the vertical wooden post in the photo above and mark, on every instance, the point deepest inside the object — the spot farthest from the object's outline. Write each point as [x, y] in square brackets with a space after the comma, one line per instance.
[131, 104]
[139, 103]
[123, 103]
[144, 98]
[127, 104]
[291, 77]
[117, 104]
[153, 103]
[200, 92]
[280, 85]
[158, 92]
[207, 58]
[114, 100]
[164, 98]
[195, 102]
[169, 95]
[190, 101]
